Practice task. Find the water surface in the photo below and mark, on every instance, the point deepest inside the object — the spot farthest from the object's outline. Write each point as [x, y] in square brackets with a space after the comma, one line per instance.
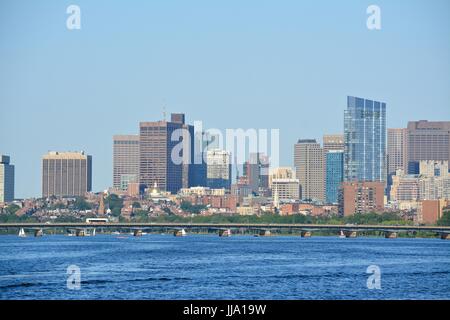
[209, 267]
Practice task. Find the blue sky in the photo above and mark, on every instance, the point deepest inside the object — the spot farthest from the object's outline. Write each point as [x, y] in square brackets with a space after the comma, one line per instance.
[231, 64]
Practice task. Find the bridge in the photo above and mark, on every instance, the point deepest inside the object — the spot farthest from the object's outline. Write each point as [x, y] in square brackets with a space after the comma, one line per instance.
[305, 230]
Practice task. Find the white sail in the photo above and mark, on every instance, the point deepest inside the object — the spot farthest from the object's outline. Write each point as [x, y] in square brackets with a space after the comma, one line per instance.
[22, 233]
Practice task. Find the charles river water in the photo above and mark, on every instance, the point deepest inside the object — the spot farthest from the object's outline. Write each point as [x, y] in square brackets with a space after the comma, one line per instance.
[210, 267]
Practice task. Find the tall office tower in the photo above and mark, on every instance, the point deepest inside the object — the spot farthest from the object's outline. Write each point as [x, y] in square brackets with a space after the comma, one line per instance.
[365, 140]
[198, 167]
[396, 150]
[264, 168]
[6, 179]
[309, 164]
[159, 161]
[189, 170]
[333, 142]
[252, 171]
[125, 160]
[427, 140]
[218, 172]
[334, 174]
[66, 174]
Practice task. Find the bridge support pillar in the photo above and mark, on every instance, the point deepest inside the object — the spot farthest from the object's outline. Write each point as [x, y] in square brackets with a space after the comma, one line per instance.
[390, 235]
[306, 234]
[39, 233]
[137, 233]
[265, 233]
[445, 236]
[350, 234]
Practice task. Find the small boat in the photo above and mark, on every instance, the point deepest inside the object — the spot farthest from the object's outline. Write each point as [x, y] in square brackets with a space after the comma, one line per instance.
[225, 233]
[115, 233]
[180, 233]
[22, 233]
[342, 235]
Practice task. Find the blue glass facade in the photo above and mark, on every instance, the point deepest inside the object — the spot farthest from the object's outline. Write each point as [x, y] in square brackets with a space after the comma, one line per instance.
[334, 175]
[365, 140]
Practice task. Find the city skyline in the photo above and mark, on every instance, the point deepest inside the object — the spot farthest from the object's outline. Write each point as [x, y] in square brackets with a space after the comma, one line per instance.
[82, 87]
[320, 143]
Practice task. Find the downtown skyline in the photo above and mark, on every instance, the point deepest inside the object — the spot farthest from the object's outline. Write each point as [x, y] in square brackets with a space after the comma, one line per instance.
[82, 87]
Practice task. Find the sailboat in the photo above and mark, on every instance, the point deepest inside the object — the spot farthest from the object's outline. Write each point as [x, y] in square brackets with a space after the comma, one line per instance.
[22, 233]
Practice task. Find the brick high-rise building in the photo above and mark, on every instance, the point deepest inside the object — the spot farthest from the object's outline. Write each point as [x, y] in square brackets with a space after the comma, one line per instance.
[361, 197]
[66, 174]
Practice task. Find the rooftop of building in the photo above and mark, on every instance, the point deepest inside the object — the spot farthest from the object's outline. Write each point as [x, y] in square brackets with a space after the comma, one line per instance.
[65, 155]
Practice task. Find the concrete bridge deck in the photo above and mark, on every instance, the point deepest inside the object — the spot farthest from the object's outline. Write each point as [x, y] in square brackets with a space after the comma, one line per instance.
[254, 226]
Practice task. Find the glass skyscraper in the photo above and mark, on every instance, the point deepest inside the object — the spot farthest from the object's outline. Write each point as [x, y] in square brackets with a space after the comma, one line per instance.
[365, 140]
[334, 174]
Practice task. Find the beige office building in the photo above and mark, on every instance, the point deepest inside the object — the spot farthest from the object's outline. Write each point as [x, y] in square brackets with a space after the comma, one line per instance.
[310, 169]
[433, 183]
[404, 187]
[6, 179]
[333, 142]
[397, 150]
[281, 173]
[284, 185]
[427, 140]
[125, 161]
[66, 174]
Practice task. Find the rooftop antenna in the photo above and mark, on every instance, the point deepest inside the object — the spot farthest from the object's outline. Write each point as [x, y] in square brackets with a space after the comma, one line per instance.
[164, 112]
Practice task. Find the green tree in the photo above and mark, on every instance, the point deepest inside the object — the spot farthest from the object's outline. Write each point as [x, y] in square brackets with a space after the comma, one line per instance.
[81, 204]
[189, 207]
[445, 219]
[115, 204]
[12, 209]
[136, 205]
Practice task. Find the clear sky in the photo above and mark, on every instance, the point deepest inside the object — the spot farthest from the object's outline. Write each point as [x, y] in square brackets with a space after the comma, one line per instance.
[232, 64]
